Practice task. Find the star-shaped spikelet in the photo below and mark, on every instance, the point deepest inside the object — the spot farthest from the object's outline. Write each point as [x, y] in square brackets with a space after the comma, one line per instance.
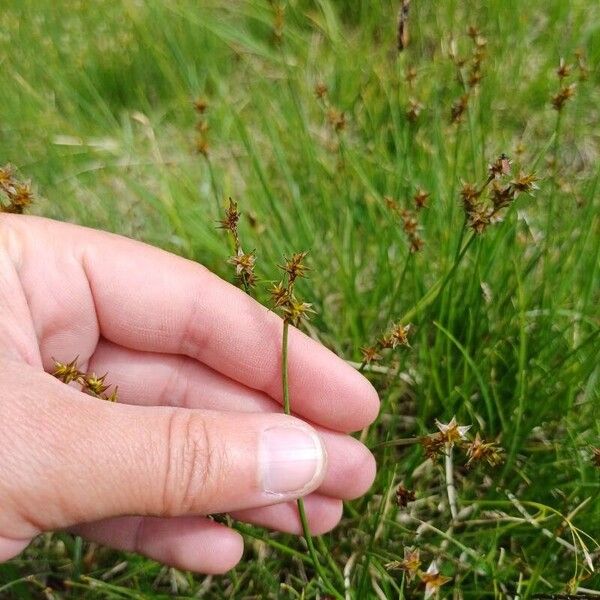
[433, 580]
[452, 432]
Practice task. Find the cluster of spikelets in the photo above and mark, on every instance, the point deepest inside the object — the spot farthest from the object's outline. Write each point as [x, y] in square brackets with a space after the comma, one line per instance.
[450, 435]
[90, 383]
[395, 337]
[468, 72]
[411, 565]
[242, 261]
[409, 218]
[564, 71]
[201, 141]
[283, 295]
[15, 195]
[480, 210]
[335, 117]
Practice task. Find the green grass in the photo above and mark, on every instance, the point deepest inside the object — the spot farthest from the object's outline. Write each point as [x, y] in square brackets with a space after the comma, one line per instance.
[96, 110]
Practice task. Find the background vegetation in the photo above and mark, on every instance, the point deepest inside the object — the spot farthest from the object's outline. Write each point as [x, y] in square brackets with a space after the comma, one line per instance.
[97, 109]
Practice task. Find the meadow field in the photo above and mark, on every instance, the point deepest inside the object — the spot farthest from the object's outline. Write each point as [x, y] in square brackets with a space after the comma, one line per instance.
[443, 176]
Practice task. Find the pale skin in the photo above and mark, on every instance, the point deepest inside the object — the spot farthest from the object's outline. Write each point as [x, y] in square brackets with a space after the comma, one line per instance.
[198, 428]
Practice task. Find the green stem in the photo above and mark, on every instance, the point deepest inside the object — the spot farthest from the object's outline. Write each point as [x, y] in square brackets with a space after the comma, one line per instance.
[213, 184]
[301, 510]
[284, 368]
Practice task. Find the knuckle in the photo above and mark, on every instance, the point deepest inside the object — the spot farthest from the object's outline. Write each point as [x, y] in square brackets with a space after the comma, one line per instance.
[192, 464]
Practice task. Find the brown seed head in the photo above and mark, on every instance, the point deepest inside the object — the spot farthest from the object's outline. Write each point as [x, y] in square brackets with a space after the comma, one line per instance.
[469, 195]
[244, 263]
[200, 105]
[410, 564]
[473, 32]
[294, 311]
[21, 196]
[414, 110]
[564, 70]
[433, 445]
[392, 204]
[6, 178]
[452, 432]
[370, 354]
[337, 119]
[596, 457]
[201, 145]
[458, 108]
[563, 96]
[416, 243]
[525, 183]
[232, 217]
[501, 195]
[479, 450]
[321, 90]
[404, 496]
[420, 198]
[295, 267]
[279, 294]
[399, 335]
[94, 385]
[475, 77]
[479, 219]
[67, 372]
[409, 222]
[433, 580]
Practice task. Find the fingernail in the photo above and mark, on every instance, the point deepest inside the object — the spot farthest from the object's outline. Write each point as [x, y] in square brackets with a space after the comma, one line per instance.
[292, 459]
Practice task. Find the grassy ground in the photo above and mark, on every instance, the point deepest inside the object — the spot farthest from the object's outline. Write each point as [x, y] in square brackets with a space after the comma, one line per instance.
[96, 108]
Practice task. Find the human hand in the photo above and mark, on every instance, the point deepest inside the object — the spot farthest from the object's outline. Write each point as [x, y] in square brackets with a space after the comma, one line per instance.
[198, 428]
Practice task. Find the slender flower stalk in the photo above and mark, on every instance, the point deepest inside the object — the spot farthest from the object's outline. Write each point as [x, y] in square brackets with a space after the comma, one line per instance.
[450, 487]
[293, 312]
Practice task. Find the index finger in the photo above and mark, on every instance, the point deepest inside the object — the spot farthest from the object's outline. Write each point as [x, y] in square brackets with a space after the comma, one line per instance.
[150, 300]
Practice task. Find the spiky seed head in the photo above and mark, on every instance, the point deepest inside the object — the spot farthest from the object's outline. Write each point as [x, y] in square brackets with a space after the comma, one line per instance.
[525, 182]
[399, 335]
[321, 90]
[280, 294]
[295, 267]
[458, 108]
[94, 384]
[433, 445]
[232, 217]
[370, 354]
[452, 431]
[404, 496]
[294, 311]
[410, 564]
[501, 195]
[563, 70]
[200, 105]
[480, 450]
[420, 198]
[433, 580]
[67, 372]
[563, 96]
[413, 110]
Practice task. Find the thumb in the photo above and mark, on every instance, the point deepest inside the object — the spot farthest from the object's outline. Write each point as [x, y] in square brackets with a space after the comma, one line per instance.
[82, 459]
